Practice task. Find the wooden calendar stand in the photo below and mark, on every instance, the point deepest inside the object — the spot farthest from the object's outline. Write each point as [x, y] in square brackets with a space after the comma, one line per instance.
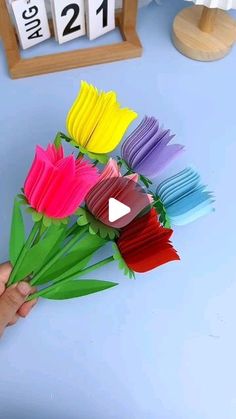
[130, 47]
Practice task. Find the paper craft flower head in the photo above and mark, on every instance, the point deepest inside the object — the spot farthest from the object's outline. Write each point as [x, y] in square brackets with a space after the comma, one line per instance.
[147, 150]
[57, 185]
[184, 198]
[96, 122]
[144, 244]
[124, 189]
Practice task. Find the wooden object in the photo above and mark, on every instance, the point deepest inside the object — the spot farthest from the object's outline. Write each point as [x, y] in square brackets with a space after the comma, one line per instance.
[208, 19]
[130, 47]
[204, 35]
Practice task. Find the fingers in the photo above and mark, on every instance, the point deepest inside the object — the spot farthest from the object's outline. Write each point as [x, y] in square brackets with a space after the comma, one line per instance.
[11, 301]
[2, 288]
[26, 308]
[13, 321]
[5, 270]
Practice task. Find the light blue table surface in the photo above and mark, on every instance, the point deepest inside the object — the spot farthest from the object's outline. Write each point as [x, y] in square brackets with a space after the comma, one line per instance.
[163, 346]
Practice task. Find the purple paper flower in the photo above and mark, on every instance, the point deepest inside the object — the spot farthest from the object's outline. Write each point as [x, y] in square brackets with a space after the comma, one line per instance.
[147, 150]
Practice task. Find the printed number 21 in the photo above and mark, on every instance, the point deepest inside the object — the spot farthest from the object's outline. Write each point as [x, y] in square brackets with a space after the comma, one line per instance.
[104, 8]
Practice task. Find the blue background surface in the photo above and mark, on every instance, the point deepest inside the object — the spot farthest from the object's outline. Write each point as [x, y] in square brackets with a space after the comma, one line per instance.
[162, 347]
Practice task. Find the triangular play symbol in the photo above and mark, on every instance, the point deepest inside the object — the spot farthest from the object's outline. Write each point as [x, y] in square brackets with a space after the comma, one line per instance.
[117, 210]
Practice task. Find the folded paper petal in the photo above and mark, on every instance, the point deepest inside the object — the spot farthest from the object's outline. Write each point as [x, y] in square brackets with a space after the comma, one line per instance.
[147, 150]
[184, 198]
[96, 121]
[111, 170]
[145, 244]
[56, 185]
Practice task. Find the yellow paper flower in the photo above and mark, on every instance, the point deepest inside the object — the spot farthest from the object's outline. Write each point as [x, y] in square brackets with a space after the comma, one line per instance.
[96, 121]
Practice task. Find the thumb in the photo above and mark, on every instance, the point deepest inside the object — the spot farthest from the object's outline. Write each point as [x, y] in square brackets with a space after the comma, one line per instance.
[10, 302]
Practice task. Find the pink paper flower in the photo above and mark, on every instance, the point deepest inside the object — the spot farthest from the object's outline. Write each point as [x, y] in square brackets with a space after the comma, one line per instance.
[57, 185]
[124, 189]
[111, 170]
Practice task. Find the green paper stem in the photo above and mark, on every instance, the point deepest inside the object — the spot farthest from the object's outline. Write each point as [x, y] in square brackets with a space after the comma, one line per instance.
[129, 172]
[57, 140]
[96, 265]
[72, 229]
[40, 232]
[72, 277]
[161, 210]
[65, 137]
[20, 259]
[17, 235]
[55, 258]
[80, 154]
[86, 270]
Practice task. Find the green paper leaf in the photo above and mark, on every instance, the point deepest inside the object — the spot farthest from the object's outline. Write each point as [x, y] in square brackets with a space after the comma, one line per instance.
[65, 137]
[22, 199]
[56, 222]
[17, 237]
[30, 210]
[74, 261]
[145, 211]
[21, 196]
[161, 211]
[36, 216]
[122, 162]
[121, 262]
[83, 219]
[64, 220]
[46, 221]
[92, 231]
[96, 226]
[37, 255]
[60, 238]
[59, 271]
[72, 142]
[147, 182]
[101, 158]
[167, 223]
[76, 288]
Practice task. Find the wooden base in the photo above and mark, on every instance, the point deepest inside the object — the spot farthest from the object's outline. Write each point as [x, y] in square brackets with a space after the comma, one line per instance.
[18, 67]
[191, 41]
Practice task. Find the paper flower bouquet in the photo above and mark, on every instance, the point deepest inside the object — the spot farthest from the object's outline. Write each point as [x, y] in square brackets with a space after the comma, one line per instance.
[68, 196]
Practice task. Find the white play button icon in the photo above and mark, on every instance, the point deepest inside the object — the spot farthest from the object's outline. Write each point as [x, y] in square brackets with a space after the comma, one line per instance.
[117, 210]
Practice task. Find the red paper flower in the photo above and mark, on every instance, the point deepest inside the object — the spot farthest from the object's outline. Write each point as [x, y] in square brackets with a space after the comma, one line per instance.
[56, 185]
[144, 243]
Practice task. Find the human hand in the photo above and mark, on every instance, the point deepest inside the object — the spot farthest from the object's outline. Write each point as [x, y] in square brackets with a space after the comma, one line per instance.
[12, 299]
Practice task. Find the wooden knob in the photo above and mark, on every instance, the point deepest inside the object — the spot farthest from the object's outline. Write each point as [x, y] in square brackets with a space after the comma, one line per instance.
[207, 20]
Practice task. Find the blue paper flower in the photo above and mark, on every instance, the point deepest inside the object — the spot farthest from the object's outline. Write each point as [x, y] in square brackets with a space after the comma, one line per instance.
[184, 198]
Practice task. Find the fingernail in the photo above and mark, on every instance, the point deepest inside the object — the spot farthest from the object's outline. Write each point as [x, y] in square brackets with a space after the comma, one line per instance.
[24, 288]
